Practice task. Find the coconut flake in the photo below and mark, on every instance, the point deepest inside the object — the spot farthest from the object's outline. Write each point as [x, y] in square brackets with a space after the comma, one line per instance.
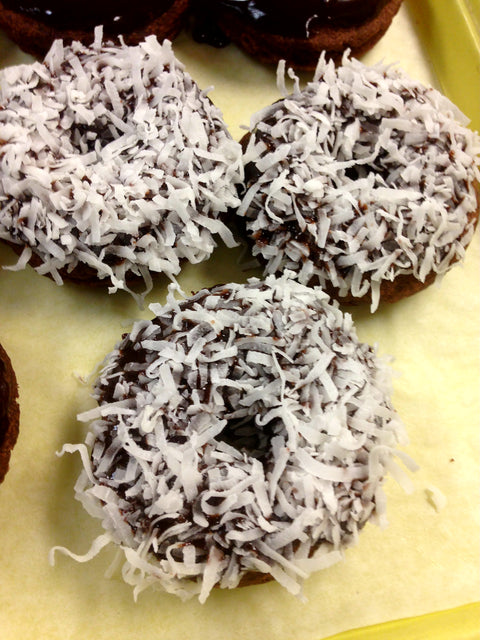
[436, 498]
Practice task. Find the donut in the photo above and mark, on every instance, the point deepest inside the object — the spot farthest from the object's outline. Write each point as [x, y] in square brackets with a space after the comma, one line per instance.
[9, 411]
[296, 31]
[243, 434]
[35, 24]
[114, 164]
[364, 182]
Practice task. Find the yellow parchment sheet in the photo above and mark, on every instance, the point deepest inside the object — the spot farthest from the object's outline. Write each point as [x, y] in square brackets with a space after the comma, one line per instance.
[426, 560]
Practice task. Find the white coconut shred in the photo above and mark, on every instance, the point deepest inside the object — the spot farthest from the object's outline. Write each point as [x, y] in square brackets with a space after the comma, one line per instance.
[113, 158]
[244, 429]
[360, 177]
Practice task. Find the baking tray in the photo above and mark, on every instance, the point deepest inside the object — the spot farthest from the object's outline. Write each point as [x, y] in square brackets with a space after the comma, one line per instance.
[418, 578]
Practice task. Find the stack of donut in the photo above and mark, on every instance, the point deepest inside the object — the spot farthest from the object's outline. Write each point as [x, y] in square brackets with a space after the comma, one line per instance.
[243, 433]
[364, 182]
[265, 29]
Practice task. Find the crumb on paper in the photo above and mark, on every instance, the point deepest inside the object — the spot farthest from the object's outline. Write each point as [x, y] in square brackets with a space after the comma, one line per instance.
[81, 378]
[436, 498]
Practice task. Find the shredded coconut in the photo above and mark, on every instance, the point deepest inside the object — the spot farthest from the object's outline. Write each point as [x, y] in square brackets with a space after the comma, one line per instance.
[362, 176]
[220, 447]
[112, 157]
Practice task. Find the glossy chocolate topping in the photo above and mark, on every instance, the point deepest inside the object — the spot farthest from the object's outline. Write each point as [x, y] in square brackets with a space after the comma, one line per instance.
[119, 16]
[296, 18]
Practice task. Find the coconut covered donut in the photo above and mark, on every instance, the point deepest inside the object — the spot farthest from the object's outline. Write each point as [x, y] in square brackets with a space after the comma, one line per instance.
[365, 182]
[241, 435]
[114, 164]
[35, 24]
[9, 411]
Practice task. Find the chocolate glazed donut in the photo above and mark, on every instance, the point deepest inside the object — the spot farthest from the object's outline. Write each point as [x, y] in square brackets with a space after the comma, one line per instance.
[295, 31]
[35, 24]
[9, 411]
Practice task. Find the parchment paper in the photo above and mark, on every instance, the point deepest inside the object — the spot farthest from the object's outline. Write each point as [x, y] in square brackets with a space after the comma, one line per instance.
[425, 560]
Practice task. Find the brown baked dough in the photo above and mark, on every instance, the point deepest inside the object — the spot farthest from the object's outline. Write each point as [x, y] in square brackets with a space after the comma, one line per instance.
[80, 274]
[35, 37]
[9, 411]
[303, 53]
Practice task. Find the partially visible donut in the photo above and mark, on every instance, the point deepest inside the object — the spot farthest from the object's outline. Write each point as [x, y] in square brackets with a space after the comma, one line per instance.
[35, 24]
[114, 163]
[364, 182]
[241, 435]
[9, 411]
[294, 31]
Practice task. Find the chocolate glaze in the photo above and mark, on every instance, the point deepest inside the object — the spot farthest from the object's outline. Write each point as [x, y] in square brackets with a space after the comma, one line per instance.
[205, 28]
[294, 19]
[119, 16]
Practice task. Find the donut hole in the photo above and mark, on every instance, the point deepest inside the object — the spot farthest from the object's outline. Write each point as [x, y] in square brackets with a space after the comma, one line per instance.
[247, 436]
[89, 137]
[102, 131]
